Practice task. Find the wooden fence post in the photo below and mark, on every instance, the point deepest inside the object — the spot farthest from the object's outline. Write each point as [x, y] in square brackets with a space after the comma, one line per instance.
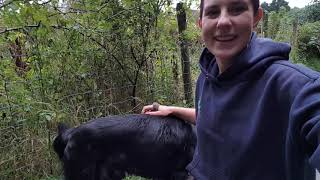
[185, 60]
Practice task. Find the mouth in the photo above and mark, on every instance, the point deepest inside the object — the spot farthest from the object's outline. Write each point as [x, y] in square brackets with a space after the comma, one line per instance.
[225, 38]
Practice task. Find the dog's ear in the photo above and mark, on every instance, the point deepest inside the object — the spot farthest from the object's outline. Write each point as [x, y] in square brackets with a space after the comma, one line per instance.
[62, 128]
[60, 141]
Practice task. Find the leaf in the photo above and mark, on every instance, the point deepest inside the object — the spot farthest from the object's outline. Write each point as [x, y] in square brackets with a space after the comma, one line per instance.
[47, 115]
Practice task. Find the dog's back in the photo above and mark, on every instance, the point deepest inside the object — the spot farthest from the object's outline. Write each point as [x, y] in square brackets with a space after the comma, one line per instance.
[108, 148]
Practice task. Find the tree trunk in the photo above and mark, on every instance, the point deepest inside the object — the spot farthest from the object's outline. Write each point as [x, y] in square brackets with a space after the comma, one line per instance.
[185, 60]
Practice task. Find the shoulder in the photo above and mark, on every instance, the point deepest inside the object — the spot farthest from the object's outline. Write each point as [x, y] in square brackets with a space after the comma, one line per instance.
[289, 79]
[286, 71]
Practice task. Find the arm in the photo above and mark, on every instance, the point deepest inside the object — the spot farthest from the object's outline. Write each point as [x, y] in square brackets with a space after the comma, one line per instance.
[305, 120]
[187, 114]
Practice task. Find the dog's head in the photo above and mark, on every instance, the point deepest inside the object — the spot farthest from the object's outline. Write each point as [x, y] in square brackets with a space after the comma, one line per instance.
[60, 141]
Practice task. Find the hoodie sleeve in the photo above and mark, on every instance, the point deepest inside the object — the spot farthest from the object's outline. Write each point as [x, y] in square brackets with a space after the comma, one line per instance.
[304, 122]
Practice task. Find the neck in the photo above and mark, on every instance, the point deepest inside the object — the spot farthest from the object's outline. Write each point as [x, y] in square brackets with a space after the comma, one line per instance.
[223, 64]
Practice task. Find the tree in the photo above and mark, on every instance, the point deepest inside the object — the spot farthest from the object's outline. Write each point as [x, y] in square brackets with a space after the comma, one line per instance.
[275, 5]
[312, 12]
[268, 10]
[265, 6]
[309, 41]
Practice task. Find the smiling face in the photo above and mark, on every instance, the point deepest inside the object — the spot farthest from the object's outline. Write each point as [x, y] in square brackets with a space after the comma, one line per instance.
[226, 28]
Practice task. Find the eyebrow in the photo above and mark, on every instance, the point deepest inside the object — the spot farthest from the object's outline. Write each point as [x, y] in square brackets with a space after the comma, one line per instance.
[237, 2]
[214, 6]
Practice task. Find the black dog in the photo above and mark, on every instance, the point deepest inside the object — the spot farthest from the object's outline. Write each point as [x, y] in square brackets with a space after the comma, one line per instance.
[112, 147]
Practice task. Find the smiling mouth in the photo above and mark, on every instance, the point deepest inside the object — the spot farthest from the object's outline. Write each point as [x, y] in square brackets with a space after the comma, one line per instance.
[225, 38]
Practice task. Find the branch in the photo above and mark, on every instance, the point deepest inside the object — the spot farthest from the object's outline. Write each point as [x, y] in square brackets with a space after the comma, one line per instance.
[20, 28]
[117, 60]
[133, 55]
[101, 45]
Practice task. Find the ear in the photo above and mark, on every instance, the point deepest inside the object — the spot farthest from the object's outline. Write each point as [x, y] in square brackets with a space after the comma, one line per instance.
[258, 17]
[200, 23]
[62, 128]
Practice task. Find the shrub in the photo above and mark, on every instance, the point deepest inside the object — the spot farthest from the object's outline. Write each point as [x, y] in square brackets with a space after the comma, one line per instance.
[308, 41]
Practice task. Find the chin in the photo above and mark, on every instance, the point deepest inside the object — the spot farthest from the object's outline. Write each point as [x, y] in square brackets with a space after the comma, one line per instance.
[223, 55]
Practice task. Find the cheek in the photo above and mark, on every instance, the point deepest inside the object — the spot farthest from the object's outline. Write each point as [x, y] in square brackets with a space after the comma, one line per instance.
[244, 31]
[244, 23]
[208, 30]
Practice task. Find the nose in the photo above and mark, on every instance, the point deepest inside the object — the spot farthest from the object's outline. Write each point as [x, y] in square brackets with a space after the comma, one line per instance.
[224, 20]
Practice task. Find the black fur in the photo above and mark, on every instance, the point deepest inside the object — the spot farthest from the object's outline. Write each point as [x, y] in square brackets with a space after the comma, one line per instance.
[112, 147]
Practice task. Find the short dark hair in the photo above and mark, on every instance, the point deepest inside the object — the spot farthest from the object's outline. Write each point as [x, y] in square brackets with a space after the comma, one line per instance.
[85, 156]
[255, 4]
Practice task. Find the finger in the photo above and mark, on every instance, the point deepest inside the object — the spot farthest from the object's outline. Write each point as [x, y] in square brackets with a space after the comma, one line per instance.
[155, 113]
[146, 109]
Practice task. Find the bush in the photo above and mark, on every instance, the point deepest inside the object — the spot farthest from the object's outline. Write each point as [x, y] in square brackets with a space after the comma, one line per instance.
[308, 41]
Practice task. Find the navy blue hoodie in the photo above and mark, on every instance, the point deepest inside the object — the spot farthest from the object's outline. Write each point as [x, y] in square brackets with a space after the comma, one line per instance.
[259, 119]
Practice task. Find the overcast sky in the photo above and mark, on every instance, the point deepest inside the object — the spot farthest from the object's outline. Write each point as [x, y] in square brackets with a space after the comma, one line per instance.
[292, 3]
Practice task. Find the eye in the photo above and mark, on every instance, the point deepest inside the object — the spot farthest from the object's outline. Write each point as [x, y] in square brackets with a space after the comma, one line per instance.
[212, 13]
[237, 9]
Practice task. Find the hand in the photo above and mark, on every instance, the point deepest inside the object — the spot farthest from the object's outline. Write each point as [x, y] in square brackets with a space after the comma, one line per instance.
[156, 110]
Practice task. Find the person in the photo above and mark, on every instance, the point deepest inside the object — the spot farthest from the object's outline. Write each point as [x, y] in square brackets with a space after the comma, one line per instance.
[257, 115]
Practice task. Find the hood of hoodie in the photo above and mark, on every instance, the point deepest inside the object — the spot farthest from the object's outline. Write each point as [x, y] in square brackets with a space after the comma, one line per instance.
[259, 54]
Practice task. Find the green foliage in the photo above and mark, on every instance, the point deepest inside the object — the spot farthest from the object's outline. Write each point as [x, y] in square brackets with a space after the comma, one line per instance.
[280, 27]
[273, 24]
[294, 27]
[76, 60]
[312, 12]
[134, 178]
[309, 41]
[275, 5]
